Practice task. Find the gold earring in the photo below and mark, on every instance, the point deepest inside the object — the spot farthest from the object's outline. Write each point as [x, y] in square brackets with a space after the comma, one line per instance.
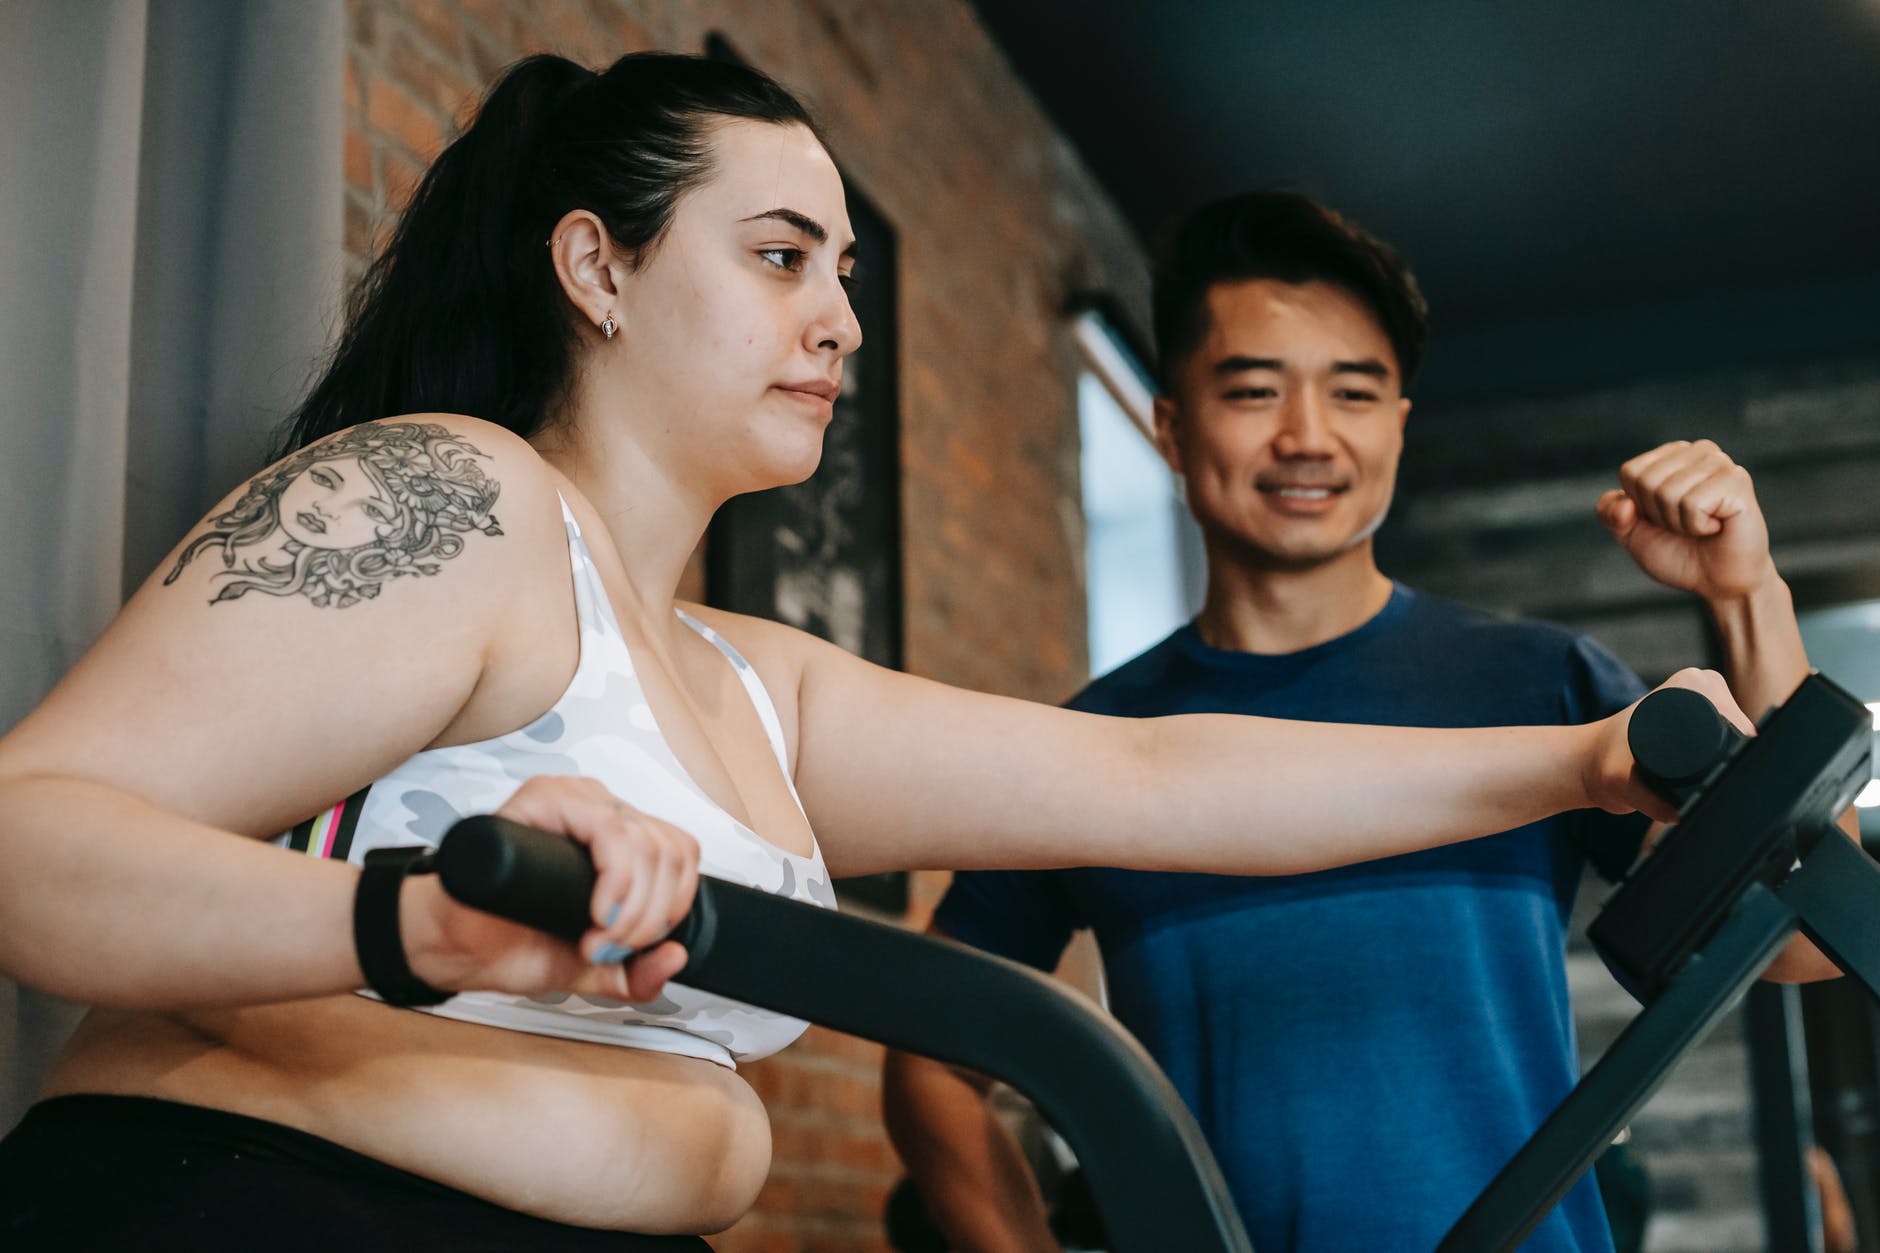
[608, 327]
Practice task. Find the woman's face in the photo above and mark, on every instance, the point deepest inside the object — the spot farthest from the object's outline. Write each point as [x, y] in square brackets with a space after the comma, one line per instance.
[736, 327]
[334, 504]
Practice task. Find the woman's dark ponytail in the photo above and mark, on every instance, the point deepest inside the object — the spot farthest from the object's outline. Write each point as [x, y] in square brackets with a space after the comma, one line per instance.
[462, 312]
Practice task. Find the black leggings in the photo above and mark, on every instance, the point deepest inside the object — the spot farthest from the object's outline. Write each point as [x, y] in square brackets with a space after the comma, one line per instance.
[124, 1173]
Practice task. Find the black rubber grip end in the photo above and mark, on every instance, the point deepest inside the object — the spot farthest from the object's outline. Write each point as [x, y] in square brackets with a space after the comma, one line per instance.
[1678, 738]
[519, 873]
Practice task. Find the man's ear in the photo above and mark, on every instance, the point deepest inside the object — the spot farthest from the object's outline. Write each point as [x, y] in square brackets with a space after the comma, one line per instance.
[1168, 415]
[589, 266]
[1403, 412]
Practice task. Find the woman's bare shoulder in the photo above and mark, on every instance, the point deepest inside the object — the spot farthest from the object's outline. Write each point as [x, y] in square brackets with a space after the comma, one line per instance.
[384, 504]
[774, 648]
[324, 621]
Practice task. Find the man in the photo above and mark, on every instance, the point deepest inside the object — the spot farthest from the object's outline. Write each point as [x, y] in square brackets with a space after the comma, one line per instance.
[1364, 1047]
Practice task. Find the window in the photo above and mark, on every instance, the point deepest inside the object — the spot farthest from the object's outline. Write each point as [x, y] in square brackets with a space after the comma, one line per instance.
[1844, 643]
[1142, 551]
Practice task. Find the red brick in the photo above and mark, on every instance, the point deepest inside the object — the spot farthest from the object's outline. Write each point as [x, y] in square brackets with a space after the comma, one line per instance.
[491, 19]
[570, 32]
[437, 22]
[401, 179]
[625, 32]
[359, 224]
[429, 80]
[392, 112]
[358, 161]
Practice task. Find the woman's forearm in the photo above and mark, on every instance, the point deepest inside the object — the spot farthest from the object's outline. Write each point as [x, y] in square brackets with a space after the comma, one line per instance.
[905, 773]
[1249, 795]
[109, 900]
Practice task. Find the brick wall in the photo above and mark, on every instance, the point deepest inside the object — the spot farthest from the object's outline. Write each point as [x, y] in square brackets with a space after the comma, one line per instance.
[997, 224]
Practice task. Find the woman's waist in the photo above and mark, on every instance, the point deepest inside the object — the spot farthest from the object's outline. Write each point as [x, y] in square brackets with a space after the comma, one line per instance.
[580, 1133]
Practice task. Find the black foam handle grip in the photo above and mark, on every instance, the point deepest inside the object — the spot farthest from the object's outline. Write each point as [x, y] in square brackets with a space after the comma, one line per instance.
[1679, 740]
[532, 877]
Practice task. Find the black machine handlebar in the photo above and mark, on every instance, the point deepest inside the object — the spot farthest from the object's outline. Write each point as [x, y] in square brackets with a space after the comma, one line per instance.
[1748, 809]
[1753, 859]
[1681, 742]
[1157, 1184]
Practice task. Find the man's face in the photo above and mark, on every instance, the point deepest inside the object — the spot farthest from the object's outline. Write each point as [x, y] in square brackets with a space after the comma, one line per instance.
[1286, 422]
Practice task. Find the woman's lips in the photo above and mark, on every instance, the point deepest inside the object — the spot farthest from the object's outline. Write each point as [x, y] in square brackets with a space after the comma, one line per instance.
[821, 396]
[312, 521]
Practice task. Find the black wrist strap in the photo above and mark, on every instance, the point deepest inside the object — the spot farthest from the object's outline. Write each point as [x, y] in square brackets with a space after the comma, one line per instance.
[376, 938]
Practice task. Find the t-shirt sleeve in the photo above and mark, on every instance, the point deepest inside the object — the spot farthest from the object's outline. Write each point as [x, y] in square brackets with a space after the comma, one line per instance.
[1598, 684]
[1023, 915]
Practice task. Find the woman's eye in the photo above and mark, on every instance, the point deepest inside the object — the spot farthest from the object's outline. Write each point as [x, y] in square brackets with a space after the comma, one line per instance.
[322, 478]
[378, 512]
[850, 282]
[790, 259]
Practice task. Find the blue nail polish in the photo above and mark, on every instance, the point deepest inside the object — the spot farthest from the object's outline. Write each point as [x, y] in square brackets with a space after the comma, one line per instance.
[607, 954]
[613, 915]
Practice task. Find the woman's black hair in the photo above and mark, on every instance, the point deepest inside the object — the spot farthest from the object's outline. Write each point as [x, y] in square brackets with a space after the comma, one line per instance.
[462, 312]
[1284, 236]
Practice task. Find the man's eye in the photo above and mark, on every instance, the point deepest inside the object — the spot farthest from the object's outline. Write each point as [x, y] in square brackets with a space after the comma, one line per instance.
[850, 281]
[1354, 396]
[790, 259]
[1251, 393]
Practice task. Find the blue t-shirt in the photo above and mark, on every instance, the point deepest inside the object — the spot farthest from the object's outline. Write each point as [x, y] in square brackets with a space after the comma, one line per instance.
[1364, 1047]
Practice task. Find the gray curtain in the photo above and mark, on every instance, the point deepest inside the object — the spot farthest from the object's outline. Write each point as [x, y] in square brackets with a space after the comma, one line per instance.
[170, 261]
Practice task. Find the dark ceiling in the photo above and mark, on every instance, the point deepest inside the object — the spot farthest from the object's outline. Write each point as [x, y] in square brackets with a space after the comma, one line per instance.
[1650, 186]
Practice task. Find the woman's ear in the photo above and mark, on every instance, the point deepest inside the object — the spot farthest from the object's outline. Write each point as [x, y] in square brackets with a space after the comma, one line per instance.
[589, 266]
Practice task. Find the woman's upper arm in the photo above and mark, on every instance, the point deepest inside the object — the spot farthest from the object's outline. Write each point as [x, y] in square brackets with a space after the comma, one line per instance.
[900, 772]
[325, 621]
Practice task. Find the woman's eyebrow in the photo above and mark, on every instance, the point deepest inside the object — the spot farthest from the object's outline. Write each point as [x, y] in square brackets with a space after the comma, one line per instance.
[802, 222]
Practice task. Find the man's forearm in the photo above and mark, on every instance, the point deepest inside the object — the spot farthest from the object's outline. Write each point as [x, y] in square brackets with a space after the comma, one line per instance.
[1765, 662]
[977, 1186]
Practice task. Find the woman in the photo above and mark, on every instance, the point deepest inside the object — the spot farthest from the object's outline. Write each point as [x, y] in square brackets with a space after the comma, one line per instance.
[635, 283]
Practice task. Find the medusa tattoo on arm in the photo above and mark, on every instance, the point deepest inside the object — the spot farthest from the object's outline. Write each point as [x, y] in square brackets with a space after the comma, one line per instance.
[336, 520]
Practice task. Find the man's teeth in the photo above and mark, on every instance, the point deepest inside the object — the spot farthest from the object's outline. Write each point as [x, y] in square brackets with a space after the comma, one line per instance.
[1306, 493]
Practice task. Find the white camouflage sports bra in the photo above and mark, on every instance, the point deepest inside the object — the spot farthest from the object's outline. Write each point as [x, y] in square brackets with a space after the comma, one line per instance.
[602, 727]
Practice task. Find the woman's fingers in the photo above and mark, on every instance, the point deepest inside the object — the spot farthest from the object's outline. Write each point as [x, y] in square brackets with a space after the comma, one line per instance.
[1614, 783]
[647, 974]
[646, 872]
[1710, 684]
[626, 859]
[641, 978]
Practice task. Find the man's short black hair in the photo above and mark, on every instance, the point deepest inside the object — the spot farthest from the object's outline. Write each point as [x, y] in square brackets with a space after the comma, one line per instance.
[1285, 236]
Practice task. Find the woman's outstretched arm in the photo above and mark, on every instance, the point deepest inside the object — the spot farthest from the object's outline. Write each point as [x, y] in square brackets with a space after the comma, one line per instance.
[900, 772]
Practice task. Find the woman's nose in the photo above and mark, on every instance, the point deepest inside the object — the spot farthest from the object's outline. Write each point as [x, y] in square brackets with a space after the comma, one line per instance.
[836, 327]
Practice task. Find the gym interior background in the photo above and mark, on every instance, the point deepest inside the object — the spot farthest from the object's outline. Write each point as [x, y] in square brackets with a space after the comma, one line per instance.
[1634, 223]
